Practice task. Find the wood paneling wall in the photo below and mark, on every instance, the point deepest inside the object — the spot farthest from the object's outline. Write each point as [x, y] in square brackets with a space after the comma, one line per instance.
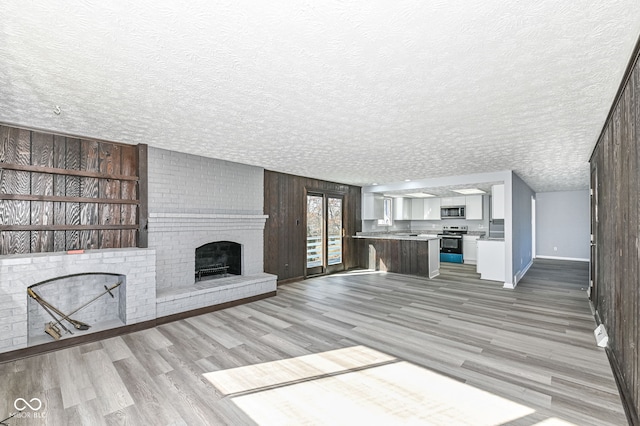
[615, 186]
[62, 193]
[285, 234]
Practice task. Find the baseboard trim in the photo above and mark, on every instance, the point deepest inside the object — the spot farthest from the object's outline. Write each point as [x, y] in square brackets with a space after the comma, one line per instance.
[119, 331]
[74, 341]
[290, 280]
[576, 259]
[522, 273]
[626, 395]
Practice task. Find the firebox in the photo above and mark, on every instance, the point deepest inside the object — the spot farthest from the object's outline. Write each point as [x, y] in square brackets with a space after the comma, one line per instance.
[218, 259]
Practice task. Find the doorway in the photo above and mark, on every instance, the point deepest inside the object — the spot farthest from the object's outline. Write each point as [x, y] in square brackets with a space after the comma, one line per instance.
[324, 233]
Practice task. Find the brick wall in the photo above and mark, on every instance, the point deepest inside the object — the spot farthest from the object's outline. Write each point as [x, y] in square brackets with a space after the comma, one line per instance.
[137, 266]
[196, 200]
[185, 183]
[175, 237]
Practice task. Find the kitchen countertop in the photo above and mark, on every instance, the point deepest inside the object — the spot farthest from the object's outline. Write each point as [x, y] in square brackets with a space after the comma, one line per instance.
[404, 236]
[477, 233]
[485, 238]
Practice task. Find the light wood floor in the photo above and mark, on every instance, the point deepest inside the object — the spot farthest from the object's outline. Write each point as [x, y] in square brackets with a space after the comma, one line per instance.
[353, 348]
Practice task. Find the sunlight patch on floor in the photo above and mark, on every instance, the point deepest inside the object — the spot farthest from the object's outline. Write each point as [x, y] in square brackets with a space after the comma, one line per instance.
[358, 385]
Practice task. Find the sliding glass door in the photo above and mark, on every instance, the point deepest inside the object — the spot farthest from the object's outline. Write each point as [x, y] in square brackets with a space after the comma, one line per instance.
[324, 233]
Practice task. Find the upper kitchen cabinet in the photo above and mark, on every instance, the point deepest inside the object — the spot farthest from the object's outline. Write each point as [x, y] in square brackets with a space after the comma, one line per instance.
[372, 206]
[452, 201]
[402, 209]
[417, 209]
[474, 207]
[431, 208]
[497, 202]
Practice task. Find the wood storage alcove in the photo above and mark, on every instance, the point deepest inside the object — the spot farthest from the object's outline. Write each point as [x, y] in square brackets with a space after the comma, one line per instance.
[60, 193]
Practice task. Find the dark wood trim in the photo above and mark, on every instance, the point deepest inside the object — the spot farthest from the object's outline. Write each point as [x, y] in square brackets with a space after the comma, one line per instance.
[623, 84]
[623, 389]
[74, 341]
[143, 194]
[62, 199]
[65, 227]
[212, 308]
[290, 280]
[66, 172]
[126, 329]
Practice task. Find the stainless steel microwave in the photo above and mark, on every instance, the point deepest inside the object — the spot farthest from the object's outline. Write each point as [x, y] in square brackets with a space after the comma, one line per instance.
[452, 212]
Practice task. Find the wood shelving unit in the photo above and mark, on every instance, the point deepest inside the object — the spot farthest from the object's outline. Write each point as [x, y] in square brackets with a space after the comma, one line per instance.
[61, 193]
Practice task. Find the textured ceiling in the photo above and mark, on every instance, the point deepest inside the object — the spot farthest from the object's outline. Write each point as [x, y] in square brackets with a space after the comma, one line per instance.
[354, 92]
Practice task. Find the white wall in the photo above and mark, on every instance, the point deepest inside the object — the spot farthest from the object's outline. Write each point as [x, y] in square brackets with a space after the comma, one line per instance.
[563, 225]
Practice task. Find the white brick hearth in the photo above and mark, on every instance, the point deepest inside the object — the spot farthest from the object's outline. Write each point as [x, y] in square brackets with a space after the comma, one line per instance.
[214, 292]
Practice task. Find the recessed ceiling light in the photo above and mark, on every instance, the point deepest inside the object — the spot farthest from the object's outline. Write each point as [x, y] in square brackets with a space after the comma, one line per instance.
[469, 191]
[407, 180]
[420, 195]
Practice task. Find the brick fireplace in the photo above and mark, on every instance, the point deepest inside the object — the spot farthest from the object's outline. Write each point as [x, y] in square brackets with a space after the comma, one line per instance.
[195, 201]
[192, 202]
[176, 236]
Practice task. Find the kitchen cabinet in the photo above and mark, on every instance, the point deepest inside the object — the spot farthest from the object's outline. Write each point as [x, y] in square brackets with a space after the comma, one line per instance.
[491, 260]
[469, 249]
[431, 208]
[497, 202]
[474, 207]
[452, 201]
[417, 209]
[372, 206]
[401, 209]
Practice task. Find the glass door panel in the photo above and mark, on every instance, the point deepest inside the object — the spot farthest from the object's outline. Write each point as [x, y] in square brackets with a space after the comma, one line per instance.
[315, 234]
[334, 230]
[324, 234]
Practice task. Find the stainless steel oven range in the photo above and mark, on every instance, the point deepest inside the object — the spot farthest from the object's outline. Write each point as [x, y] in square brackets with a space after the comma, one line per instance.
[451, 243]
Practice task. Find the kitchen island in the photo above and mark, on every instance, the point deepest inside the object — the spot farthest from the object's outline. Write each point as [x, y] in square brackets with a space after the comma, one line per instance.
[401, 253]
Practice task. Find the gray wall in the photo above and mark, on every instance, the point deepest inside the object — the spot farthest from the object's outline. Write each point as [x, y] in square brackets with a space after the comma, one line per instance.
[562, 221]
[522, 228]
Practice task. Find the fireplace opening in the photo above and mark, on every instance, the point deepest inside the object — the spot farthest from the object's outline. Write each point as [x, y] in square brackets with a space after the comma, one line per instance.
[218, 259]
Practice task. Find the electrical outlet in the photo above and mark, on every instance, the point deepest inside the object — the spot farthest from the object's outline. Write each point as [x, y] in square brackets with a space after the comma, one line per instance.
[555, 249]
